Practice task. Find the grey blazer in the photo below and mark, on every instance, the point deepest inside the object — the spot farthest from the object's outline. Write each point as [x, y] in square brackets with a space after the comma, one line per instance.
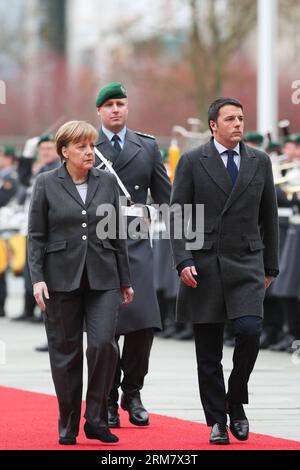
[240, 234]
[62, 235]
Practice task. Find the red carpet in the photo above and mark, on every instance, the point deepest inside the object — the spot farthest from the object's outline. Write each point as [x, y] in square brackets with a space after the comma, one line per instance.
[29, 422]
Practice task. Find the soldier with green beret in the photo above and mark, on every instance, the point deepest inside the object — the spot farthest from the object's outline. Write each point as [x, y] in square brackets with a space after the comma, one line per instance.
[254, 139]
[297, 142]
[8, 190]
[47, 154]
[111, 91]
[273, 147]
[297, 139]
[136, 159]
[8, 175]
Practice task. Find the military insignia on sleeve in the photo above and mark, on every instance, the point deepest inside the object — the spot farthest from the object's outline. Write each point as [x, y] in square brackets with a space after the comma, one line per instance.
[7, 185]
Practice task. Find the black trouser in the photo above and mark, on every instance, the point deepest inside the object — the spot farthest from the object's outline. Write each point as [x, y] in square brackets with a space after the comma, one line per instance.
[64, 326]
[134, 363]
[209, 351]
[3, 290]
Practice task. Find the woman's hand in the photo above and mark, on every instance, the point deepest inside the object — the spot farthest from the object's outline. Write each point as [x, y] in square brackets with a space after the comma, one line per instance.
[40, 291]
[127, 294]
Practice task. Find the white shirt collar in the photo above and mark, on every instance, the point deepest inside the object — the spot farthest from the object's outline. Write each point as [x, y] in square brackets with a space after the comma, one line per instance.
[110, 134]
[221, 149]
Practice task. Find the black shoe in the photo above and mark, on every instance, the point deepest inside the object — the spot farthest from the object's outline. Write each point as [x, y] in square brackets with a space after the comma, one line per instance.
[42, 348]
[239, 424]
[101, 433]
[138, 415]
[170, 331]
[113, 416]
[283, 345]
[2, 311]
[185, 334]
[67, 441]
[23, 317]
[219, 434]
[269, 337]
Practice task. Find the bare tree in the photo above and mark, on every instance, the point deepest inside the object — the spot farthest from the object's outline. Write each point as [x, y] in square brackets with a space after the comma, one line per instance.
[218, 28]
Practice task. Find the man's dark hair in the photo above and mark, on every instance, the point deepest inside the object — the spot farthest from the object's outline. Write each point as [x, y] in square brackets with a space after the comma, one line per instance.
[214, 108]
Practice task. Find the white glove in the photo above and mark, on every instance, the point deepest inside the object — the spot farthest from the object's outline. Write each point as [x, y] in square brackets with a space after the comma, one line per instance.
[30, 147]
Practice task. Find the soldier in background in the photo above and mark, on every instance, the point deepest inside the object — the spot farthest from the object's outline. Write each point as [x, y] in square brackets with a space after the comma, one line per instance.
[8, 190]
[254, 139]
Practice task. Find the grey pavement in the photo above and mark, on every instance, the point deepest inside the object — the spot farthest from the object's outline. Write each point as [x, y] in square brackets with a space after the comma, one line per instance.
[171, 386]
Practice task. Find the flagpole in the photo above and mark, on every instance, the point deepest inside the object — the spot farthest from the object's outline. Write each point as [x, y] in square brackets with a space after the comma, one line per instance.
[267, 71]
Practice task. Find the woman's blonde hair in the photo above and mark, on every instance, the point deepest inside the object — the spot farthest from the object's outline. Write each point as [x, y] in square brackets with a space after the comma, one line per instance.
[73, 132]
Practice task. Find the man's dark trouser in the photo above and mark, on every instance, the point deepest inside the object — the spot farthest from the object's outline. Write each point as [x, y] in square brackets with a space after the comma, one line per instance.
[64, 326]
[209, 351]
[3, 292]
[134, 363]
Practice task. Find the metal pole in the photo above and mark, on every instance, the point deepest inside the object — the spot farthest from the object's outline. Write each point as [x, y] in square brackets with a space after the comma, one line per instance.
[267, 73]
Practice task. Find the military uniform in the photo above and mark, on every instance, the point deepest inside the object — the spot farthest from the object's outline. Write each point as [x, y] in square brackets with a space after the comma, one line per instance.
[139, 166]
[8, 185]
[8, 189]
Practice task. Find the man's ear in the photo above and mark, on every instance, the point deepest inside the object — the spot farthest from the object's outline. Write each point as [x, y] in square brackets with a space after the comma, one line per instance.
[213, 125]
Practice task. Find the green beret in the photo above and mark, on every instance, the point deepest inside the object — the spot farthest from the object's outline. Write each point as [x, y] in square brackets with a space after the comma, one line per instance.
[111, 91]
[288, 139]
[254, 137]
[164, 154]
[273, 146]
[8, 150]
[46, 138]
[297, 139]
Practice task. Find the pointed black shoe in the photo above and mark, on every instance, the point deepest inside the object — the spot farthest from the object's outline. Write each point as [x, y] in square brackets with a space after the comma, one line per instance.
[101, 433]
[67, 441]
[239, 424]
[219, 434]
[138, 415]
[113, 416]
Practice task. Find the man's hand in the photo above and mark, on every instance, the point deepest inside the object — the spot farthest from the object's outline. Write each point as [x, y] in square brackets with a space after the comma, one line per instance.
[187, 276]
[268, 281]
[40, 291]
[127, 294]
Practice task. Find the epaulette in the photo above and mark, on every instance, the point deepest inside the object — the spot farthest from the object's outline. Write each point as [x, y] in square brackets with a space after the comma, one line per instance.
[145, 135]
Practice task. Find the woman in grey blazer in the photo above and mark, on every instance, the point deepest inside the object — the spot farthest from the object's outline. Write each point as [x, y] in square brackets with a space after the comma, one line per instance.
[78, 275]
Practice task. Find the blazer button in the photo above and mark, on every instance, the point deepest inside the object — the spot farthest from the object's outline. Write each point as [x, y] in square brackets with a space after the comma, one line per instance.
[84, 225]
[136, 187]
[84, 237]
[83, 212]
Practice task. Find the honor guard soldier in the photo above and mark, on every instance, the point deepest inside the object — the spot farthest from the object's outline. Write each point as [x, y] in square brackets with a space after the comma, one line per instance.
[254, 139]
[136, 159]
[8, 190]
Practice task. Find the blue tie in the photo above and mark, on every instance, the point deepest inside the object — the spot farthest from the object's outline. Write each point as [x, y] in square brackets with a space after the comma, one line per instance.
[231, 166]
[116, 144]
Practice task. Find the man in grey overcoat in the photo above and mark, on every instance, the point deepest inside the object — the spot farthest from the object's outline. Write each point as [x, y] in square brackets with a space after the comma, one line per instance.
[136, 159]
[226, 278]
